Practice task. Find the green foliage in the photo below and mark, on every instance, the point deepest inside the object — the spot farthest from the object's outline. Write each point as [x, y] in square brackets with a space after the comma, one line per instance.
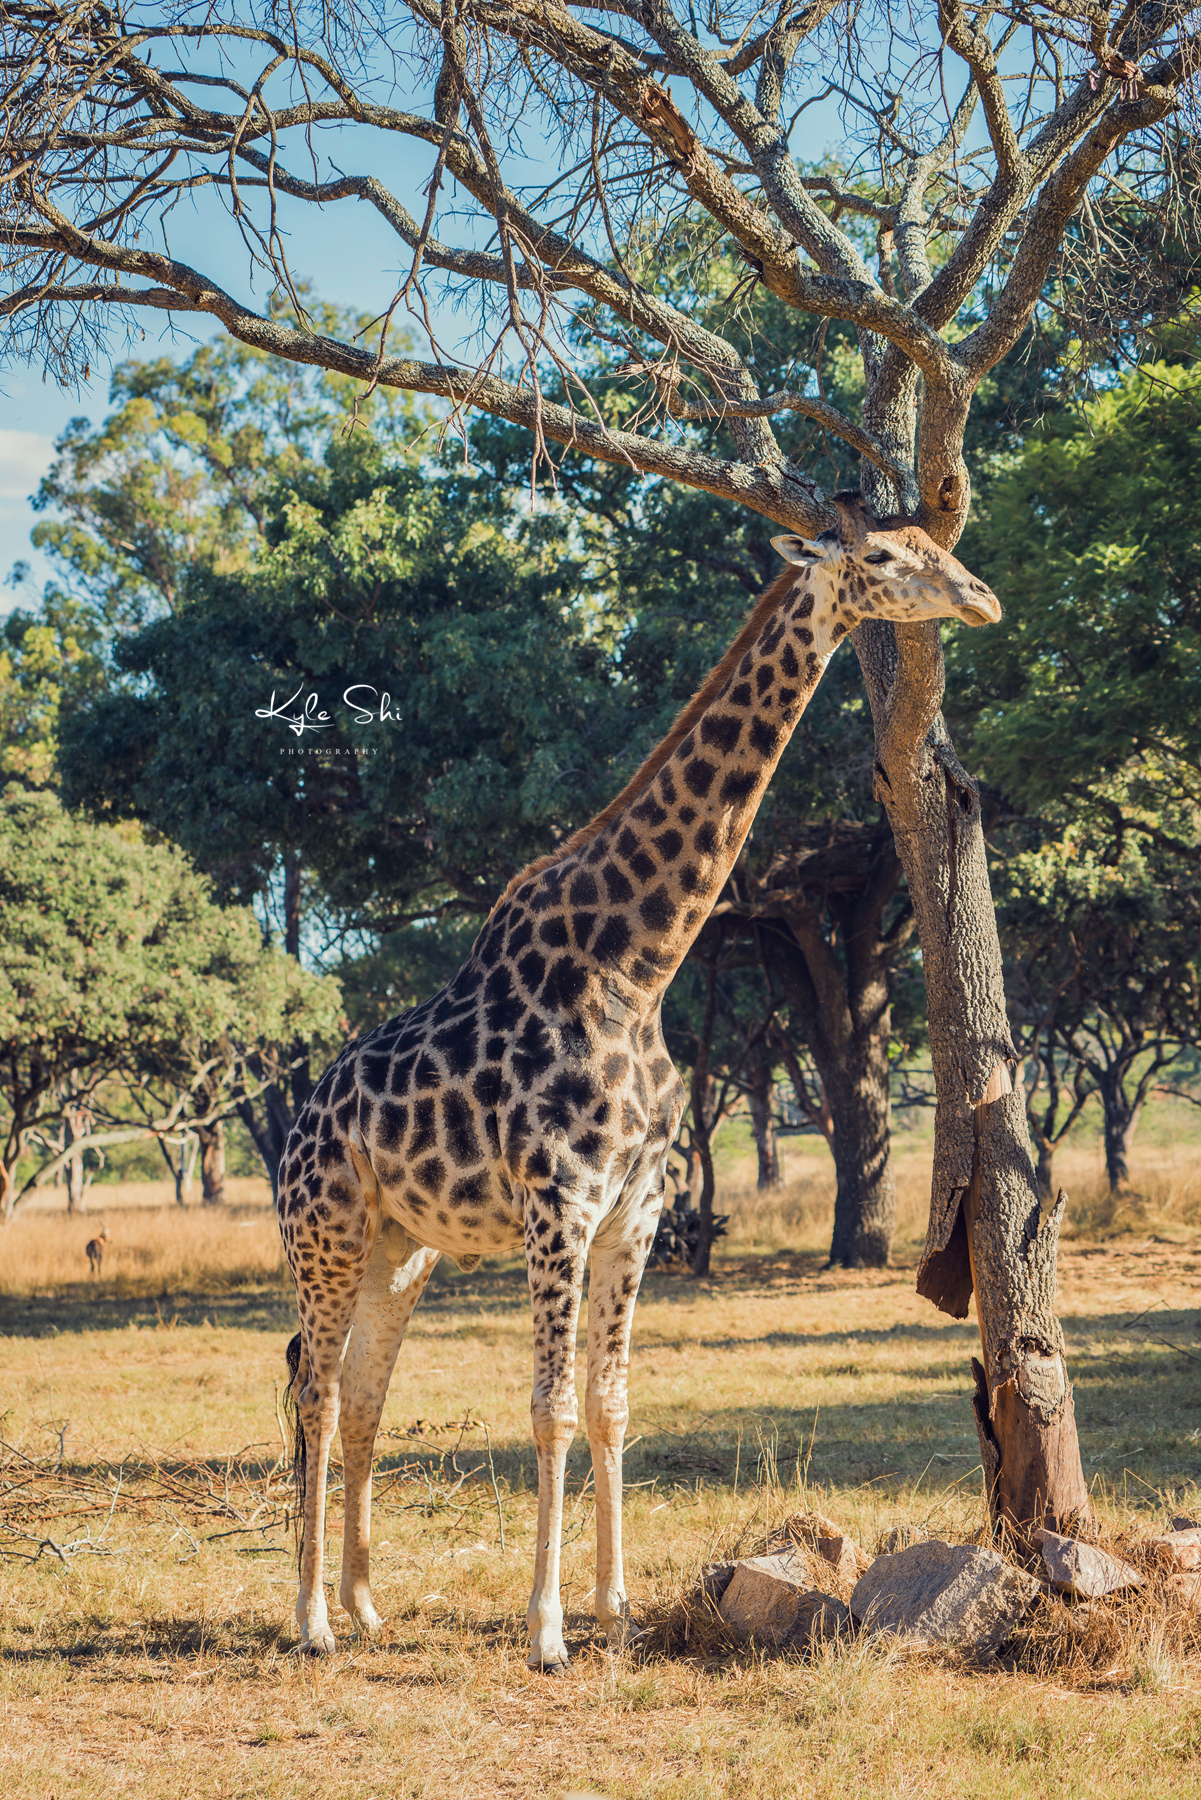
[114, 958]
[48, 659]
[1089, 692]
[373, 574]
[176, 477]
[1084, 709]
[406, 968]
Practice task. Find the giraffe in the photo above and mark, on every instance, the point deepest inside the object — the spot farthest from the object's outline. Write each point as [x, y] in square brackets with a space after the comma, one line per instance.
[532, 1101]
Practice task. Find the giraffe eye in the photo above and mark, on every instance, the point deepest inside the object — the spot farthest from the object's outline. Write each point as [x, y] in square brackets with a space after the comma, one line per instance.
[879, 556]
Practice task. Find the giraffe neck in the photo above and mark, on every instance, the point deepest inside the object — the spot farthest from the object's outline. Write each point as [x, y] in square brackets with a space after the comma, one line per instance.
[634, 893]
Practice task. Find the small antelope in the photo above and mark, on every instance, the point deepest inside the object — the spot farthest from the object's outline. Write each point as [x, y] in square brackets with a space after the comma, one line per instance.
[95, 1250]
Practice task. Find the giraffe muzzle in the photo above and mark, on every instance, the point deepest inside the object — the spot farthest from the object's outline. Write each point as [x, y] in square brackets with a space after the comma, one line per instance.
[982, 609]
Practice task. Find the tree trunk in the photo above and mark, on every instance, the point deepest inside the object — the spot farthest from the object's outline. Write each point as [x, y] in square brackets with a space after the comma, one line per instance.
[841, 1009]
[73, 1170]
[763, 1128]
[270, 1132]
[212, 1162]
[293, 874]
[987, 1231]
[690, 1160]
[1044, 1172]
[865, 1204]
[1121, 1121]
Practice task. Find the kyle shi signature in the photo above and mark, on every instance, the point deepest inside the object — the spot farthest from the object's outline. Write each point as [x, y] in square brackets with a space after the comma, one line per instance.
[308, 714]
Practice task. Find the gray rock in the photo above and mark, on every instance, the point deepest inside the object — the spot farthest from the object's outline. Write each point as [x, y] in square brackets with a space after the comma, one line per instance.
[844, 1556]
[900, 1538]
[714, 1582]
[1187, 1589]
[936, 1593]
[1180, 1548]
[772, 1602]
[1082, 1569]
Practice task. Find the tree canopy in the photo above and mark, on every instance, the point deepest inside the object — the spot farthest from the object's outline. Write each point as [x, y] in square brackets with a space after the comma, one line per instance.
[115, 960]
[1089, 695]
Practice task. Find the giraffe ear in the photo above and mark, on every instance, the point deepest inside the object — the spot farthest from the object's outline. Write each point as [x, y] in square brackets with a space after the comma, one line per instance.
[804, 552]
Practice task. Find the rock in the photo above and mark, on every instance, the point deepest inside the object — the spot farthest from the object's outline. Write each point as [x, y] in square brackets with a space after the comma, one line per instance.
[819, 1618]
[936, 1593]
[1187, 1588]
[772, 1601]
[1181, 1547]
[844, 1556]
[713, 1583]
[900, 1538]
[1082, 1569]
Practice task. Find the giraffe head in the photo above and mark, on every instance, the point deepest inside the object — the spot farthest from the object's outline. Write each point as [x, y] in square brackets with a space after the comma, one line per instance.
[889, 569]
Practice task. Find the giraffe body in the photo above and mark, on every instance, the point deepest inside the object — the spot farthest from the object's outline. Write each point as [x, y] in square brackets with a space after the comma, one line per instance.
[533, 1102]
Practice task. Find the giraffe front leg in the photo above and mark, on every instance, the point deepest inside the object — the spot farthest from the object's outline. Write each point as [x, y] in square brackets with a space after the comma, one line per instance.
[389, 1293]
[556, 1274]
[612, 1291]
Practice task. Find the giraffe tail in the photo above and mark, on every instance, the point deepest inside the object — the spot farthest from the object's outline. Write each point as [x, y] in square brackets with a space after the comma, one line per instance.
[298, 1373]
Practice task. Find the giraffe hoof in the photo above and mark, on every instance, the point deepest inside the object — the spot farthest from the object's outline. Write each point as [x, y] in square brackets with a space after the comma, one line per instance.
[317, 1643]
[553, 1669]
[622, 1633]
[366, 1621]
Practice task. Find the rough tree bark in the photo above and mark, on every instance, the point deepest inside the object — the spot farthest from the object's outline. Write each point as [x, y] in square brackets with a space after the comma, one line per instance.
[987, 1231]
[212, 1163]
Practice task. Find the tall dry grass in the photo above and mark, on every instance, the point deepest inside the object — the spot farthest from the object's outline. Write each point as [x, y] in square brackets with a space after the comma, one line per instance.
[1164, 1195]
[157, 1247]
[151, 1249]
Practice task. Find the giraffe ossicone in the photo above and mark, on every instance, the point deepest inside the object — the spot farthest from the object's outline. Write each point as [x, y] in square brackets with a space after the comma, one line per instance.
[532, 1101]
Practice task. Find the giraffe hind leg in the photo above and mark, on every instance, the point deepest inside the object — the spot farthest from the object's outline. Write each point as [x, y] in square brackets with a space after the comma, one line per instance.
[317, 1391]
[395, 1280]
[328, 1238]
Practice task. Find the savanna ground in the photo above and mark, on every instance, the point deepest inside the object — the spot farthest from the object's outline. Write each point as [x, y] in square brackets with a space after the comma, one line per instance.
[146, 1562]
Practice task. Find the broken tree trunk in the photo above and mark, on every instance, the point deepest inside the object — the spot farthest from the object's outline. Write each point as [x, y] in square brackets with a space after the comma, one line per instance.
[987, 1231]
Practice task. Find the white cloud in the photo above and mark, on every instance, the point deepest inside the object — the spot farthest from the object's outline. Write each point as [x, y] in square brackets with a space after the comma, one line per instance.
[24, 458]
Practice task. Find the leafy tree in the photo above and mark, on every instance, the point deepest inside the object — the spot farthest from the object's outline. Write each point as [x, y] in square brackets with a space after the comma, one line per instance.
[1089, 693]
[1107, 964]
[1085, 712]
[116, 962]
[49, 659]
[402, 590]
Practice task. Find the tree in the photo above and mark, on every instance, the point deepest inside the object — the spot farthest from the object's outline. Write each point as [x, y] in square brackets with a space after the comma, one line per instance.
[1082, 191]
[1088, 703]
[117, 968]
[716, 1021]
[483, 687]
[1107, 955]
[1086, 717]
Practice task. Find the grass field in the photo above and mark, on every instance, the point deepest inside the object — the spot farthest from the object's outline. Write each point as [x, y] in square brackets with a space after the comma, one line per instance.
[146, 1573]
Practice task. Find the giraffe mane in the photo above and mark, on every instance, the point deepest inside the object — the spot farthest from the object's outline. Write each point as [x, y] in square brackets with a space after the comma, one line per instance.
[701, 700]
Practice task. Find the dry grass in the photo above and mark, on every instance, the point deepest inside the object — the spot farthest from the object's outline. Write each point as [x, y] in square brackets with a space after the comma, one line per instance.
[146, 1585]
[154, 1246]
